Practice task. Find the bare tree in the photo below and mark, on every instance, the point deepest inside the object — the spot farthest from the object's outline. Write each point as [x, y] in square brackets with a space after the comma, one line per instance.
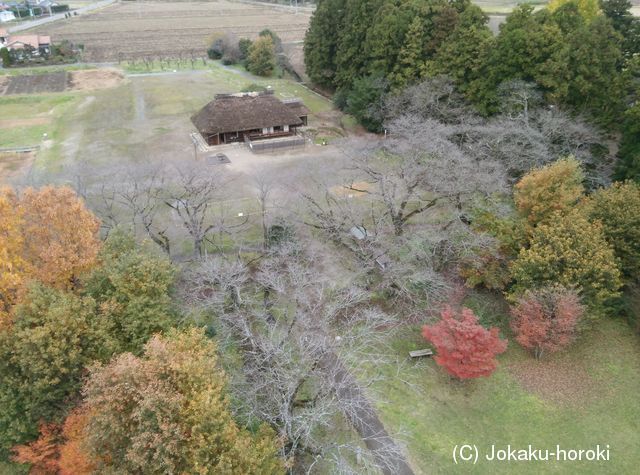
[296, 328]
[418, 168]
[196, 195]
[518, 97]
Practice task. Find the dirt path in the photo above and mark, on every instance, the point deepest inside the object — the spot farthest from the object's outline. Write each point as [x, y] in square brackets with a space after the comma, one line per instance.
[364, 419]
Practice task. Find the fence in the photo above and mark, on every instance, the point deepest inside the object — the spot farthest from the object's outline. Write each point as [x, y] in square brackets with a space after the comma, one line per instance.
[270, 145]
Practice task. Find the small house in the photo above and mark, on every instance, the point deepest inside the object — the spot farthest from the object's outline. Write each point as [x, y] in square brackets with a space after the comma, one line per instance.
[249, 116]
[38, 44]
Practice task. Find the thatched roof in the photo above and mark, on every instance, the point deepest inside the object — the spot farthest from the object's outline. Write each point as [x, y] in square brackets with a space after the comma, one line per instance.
[238, 112]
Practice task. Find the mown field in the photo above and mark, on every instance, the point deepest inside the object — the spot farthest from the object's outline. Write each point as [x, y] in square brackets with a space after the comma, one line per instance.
[579, 398]
[171, 29]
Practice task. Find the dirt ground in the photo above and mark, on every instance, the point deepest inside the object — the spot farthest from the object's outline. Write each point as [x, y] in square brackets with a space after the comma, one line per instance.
[4, 82]
[82, 80]
[8, 123]
[15, 165]
[92, 79]
[171, 29]
[36, 83]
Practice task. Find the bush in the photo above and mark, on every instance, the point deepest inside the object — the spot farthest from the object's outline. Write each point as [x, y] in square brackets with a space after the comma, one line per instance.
[364, 99]
[253, 87]
[546, 320]
[5, 56]
[261, 61]
[228, 60]
[244, 45]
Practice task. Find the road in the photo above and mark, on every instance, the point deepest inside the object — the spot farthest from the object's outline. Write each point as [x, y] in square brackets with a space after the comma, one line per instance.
[364, 419]
[58, 16]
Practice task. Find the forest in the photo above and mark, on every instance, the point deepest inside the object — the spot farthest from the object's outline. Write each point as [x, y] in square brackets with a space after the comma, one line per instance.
[579, 56]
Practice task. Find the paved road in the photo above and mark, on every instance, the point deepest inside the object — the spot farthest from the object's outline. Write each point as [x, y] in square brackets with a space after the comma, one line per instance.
[364, 419]
[58, 16]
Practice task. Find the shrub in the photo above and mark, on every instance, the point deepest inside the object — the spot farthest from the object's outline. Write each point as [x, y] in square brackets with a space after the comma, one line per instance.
[546, 320]
[464, 348]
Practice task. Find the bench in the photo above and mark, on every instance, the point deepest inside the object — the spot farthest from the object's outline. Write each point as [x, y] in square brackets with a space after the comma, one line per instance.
[420, 353]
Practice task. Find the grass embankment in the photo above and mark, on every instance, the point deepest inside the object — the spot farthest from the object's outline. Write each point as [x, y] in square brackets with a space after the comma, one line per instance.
[585, 396]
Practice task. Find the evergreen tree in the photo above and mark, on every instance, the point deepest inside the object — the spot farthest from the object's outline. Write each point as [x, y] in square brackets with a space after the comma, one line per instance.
[528, 47]
[460, 57]
[628, 166]
[619, 12]
[593, 61]
[410, 65]
[321, 41]
[386, 38]
[359, 16]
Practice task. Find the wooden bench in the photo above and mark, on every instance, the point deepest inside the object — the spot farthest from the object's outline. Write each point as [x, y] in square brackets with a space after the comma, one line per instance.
[420, 353]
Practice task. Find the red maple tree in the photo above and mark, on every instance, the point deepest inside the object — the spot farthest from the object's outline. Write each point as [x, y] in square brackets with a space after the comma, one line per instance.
[545, 320]
[465, 349]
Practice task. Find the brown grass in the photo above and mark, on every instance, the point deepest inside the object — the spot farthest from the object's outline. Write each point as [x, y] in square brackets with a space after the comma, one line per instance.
[9, 123]
[559, 381]
[12, 165]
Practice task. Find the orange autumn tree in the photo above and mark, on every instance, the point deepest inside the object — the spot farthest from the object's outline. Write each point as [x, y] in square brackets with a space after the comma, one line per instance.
[41, 454]
[59, 449]
[47, 235]
[60, 235]
[74, 459]
[12, 265]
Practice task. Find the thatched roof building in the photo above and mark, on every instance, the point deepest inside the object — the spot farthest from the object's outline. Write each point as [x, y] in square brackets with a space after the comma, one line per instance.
[234, 117]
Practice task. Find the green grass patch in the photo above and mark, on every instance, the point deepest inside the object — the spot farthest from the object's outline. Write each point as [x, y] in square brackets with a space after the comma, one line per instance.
[22, 136]
[43, 69]
[53, 107]
[29, 106]
[437, 413]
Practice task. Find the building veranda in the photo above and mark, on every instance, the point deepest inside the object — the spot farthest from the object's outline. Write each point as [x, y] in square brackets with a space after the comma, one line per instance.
[249, 116]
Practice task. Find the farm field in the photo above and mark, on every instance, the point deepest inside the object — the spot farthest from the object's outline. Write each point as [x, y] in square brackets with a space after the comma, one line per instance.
[59, 81]
[171, 29]
[579, 398]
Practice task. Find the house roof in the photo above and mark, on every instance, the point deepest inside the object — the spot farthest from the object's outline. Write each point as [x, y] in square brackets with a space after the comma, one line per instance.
[35, 41]
[237, 112]
[3, 32]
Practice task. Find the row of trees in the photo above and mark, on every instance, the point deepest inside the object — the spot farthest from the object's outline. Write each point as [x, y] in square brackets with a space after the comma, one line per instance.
[261, 57]
[575, 58]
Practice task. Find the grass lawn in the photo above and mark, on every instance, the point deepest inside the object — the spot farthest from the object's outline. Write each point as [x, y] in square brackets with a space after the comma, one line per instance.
[33, 116]
[583, 397]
